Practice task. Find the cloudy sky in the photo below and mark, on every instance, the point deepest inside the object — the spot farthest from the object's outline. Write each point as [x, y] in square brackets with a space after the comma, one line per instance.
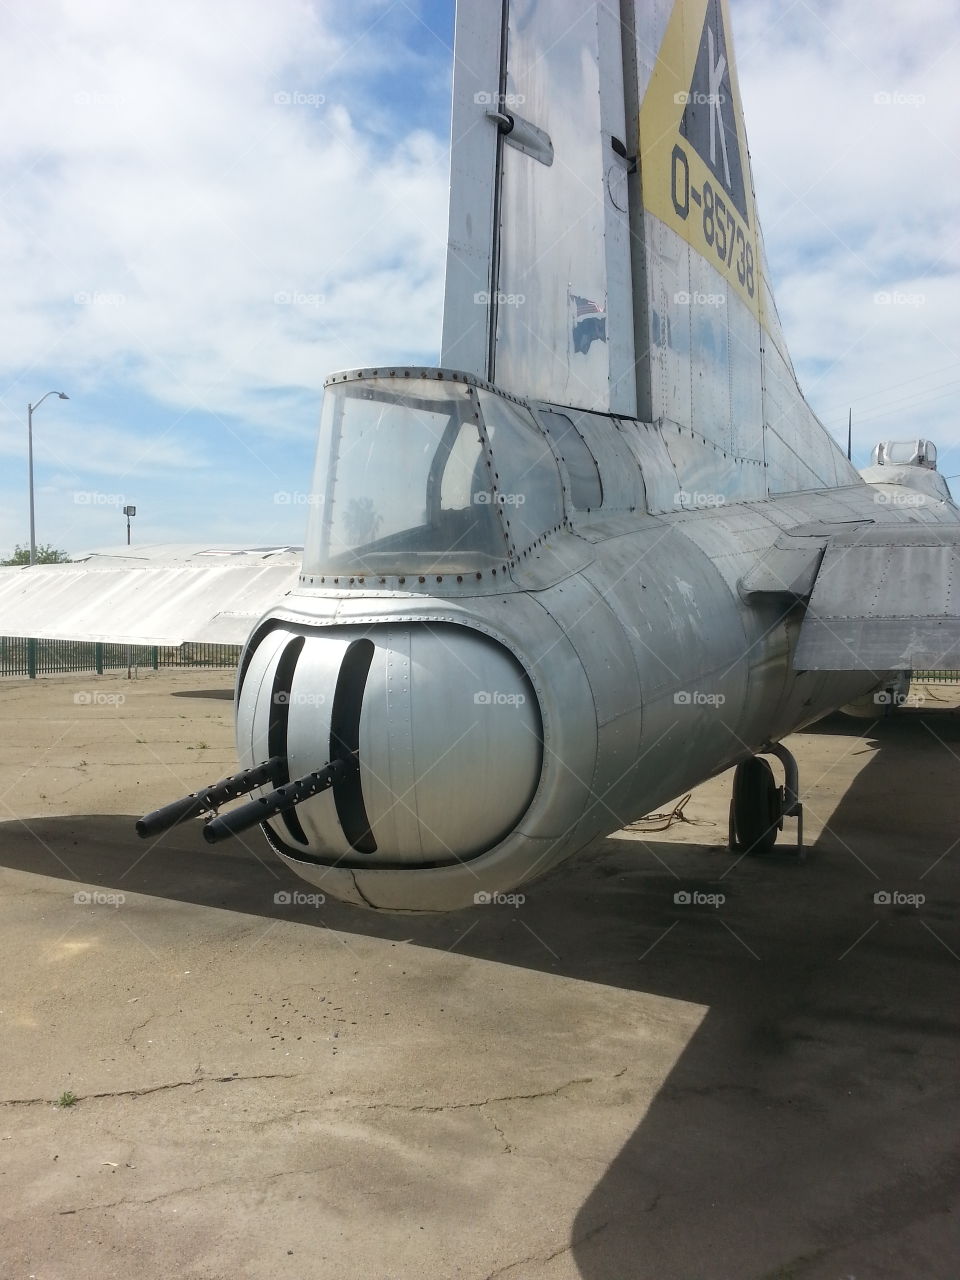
[207, 207]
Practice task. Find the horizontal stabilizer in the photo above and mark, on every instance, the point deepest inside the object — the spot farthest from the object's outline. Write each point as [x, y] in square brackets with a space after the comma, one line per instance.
[885, 599]
[787, 570]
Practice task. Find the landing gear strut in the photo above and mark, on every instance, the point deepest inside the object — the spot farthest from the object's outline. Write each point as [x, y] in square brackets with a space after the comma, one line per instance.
[758, 806]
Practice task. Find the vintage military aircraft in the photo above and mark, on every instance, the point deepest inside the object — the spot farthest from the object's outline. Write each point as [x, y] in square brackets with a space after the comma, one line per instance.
[606, 550]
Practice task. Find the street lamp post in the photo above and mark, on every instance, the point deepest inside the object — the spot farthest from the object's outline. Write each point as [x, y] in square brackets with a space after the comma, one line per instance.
[128, 512]
[30, 409]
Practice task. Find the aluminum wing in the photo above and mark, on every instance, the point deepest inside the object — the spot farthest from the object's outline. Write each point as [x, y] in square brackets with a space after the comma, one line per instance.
[163, 595]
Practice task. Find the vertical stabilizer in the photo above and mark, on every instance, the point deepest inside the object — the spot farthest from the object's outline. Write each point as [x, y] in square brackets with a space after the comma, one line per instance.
[605, 250]
[539, 288]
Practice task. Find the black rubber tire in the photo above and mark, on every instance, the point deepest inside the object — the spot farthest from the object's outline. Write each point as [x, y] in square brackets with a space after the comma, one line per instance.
[755, 806]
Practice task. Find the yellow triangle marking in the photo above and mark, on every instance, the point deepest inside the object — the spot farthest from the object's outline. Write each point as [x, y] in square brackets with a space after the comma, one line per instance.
[679, 186]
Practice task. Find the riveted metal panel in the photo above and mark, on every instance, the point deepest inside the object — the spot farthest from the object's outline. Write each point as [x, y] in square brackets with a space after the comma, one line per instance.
[467, 304]
[564, 276]
[619, 472]
[660, 480]
[582, 614]
[885, 599]
[668, 280]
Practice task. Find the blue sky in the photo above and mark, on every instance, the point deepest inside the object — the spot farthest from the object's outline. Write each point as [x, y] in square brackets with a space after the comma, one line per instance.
[206, 209]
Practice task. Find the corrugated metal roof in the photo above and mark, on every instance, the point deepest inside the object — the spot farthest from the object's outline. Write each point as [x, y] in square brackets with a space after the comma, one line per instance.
[148, 595]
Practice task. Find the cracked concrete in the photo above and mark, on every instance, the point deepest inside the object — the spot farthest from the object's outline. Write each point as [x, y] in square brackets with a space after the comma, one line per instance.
[268, 1092]
[142, 1093]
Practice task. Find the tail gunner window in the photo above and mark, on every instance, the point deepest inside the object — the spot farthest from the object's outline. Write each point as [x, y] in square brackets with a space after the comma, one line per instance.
[423, 475]
[401, 484]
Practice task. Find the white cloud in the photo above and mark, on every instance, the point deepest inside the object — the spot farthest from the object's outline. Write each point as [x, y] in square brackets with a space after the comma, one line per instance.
[172, 170]
[854, 125]
[205, 210]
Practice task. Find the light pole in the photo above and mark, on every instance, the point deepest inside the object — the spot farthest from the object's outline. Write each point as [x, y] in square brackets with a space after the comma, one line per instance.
[128, 512]
[30, 409]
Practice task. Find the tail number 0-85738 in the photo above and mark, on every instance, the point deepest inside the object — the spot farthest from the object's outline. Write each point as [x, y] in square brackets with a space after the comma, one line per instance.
[722, 229]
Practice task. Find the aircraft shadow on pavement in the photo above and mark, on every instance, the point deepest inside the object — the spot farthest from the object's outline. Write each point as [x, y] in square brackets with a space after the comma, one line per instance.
[219, 695]
[809, 1110]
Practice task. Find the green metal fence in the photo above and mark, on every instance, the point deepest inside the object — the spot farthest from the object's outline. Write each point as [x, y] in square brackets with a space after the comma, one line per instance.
[936, 677]
[20, 657]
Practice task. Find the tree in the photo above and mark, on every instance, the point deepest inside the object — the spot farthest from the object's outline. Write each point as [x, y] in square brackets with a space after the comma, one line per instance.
[46, 554]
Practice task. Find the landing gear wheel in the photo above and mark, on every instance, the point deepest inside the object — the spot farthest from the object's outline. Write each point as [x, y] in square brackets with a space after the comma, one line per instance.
[756, 811]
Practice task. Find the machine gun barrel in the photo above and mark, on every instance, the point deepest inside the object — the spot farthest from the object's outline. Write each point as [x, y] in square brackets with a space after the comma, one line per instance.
[282, 799]
[212, 797]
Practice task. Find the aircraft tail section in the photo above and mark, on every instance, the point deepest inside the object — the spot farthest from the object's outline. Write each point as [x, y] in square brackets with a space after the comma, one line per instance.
[605, 251]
